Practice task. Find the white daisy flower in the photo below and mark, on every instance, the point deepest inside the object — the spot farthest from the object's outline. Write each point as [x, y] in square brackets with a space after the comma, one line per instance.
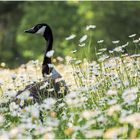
[13, 106]
[100, 41]
[103, 49]
[13, 76]
[51, 90]
[71, 37]
[114, 108]
[3, 64]
[78, 62]
[123, 46]
[115, 42]
[133, 119]
[93, 133]
[2, 119]
[133, 35]
[83, 38]
[82, 45]
[118, 49]
[48, 103]
[90, 27]
[136, 41]
[44, 85]
[111, 92]
[130, 94]
[74, 51]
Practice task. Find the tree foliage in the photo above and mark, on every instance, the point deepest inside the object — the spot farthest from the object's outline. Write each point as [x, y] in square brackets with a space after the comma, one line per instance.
[114, 21]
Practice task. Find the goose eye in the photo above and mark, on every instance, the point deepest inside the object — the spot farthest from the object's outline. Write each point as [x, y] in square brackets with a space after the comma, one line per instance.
[38, 27]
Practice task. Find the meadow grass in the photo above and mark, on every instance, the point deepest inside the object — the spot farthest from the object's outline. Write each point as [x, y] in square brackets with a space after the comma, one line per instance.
[103, 101]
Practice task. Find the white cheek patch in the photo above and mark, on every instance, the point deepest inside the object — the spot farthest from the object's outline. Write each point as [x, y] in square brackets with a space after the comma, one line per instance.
[41, 30]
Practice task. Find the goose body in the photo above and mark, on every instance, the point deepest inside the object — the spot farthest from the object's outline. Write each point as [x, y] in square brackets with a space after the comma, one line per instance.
[53, 85]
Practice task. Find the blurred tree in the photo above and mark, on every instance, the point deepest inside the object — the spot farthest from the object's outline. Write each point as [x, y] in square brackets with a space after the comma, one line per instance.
[10, 16]
[114, 21]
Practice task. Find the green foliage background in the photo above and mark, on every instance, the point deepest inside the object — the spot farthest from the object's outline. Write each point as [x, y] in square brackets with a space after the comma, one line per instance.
[114, 21]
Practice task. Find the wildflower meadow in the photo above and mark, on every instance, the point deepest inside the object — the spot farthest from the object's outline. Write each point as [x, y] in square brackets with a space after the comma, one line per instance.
[103, 100]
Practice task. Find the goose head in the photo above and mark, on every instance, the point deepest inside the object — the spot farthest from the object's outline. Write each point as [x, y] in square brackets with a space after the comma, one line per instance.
[42, 29]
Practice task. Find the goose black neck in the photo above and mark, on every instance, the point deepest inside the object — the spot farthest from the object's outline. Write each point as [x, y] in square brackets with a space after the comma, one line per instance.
[47, 60]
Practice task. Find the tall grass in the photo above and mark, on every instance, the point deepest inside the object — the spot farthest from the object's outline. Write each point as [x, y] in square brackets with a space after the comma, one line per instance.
[103, 101]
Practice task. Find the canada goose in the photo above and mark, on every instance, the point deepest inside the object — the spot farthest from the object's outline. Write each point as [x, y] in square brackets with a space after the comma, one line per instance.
[54, 82]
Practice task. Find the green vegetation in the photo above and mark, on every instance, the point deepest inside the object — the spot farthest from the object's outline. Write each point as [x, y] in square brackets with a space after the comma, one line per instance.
[114, 21]
[99, 42]
[103, 101]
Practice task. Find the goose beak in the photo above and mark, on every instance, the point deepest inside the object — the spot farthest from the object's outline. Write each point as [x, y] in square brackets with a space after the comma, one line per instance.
[29, 31]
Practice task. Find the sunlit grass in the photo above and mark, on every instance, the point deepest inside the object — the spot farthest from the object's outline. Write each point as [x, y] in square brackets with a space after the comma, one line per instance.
[103, 101]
